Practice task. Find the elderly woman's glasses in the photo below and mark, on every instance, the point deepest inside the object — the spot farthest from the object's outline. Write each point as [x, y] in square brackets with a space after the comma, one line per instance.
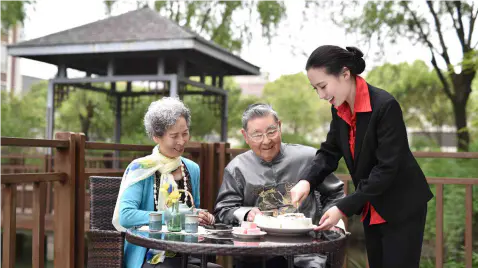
[258, 137]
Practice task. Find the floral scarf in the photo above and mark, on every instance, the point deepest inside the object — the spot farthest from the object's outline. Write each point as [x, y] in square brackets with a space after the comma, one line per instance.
[141, 169]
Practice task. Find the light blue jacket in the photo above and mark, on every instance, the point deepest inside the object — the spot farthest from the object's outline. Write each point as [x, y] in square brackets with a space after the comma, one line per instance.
[136, 204]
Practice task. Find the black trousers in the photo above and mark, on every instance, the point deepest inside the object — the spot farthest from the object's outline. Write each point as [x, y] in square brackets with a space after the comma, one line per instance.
[395, 245]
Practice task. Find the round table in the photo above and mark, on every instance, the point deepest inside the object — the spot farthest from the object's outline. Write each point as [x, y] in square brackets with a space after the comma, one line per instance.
[327, 242]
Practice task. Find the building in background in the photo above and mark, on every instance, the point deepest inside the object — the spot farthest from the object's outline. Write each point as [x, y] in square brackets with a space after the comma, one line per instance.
[252, 85]
[3, 60]
[11, 78]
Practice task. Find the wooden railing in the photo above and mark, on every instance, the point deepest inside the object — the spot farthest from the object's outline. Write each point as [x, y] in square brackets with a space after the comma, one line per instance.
[439, 182]
[70, 174]
[64, 201]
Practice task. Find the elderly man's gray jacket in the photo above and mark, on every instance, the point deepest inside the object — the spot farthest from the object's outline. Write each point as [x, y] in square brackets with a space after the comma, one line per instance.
[250, 182]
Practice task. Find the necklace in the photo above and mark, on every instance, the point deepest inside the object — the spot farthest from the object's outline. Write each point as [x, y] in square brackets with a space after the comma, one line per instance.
[155, 191]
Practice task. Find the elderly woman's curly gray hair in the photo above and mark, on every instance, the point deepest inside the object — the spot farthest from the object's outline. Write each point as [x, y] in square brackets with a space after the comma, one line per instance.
[164, 113]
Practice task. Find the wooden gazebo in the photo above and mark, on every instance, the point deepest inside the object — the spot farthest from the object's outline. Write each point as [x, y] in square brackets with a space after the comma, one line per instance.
[138, 46]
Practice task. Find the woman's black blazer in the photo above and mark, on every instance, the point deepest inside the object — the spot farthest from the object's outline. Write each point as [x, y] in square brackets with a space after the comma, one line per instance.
[383, 169]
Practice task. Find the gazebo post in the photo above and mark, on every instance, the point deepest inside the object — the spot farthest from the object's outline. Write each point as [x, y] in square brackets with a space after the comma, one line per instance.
[117, 129]
[50, 102]
[160, 70]
[61, 71]
[50, 110]
[117, 132]
[110, 72]
[173, 86]
[224, 118]
[224, 114]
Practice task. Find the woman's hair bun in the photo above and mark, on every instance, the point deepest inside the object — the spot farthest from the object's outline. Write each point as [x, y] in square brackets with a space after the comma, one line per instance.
[358, 61]
[357, 52]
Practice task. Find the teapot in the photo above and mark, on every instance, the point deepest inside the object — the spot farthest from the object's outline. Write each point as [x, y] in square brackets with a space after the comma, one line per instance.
[184, 210]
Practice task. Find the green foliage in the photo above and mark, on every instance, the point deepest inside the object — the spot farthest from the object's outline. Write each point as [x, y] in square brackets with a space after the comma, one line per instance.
[132, 126]
[13, 12]
[389, 21]
[299, 108]
[453, 202]
[205, 121]
[417, 89]
[473, 110]
[87, 112]
[24, 117]
[109, 6]
[452, 262]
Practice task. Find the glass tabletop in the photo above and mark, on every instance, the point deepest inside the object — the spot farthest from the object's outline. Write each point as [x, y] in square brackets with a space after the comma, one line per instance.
[209, 239]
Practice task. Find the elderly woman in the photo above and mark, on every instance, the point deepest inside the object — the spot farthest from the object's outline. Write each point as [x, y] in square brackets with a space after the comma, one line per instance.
[167, 123]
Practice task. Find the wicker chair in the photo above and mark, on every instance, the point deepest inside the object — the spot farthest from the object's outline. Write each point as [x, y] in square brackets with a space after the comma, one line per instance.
[105, 243]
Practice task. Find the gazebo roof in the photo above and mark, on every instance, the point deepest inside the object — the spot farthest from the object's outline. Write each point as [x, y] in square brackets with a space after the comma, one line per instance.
[134, 40]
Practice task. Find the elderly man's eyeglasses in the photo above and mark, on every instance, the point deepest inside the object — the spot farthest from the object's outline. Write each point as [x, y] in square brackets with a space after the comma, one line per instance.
[258, 137]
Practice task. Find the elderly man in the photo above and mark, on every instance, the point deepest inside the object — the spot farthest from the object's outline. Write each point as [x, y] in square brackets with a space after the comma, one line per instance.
[261, 178]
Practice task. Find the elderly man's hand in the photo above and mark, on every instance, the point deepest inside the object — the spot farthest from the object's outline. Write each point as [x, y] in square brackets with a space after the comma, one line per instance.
[205, 218]
[252, 214]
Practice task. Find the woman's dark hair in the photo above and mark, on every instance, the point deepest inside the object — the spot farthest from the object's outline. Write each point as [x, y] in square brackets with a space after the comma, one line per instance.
[335, 58]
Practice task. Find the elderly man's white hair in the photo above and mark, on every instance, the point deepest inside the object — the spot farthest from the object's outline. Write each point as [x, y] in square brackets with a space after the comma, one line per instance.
[257, 110]
[164, 113]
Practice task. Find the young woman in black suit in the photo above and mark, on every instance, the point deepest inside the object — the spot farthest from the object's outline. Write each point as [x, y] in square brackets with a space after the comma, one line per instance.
[368, 130]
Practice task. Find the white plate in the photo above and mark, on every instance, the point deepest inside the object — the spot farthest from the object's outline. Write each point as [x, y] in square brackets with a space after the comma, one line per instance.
[248, 236]
[287, 231]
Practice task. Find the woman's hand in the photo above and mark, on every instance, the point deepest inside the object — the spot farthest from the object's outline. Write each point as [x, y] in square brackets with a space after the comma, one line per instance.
[330, 218]
[205, 218]
[299, 192]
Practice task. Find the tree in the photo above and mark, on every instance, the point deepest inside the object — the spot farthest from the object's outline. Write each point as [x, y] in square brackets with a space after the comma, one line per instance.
[419, 92]
[304, 117]
[13, 12]
[87, 112]
[214, 19]
[427, 23]
[206, 121]
[24, 117]
[473, 111]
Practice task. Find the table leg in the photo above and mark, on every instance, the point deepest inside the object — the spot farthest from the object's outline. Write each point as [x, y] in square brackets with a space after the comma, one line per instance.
[184, 261]
[264, 262]
[204, 261]
[290, 261]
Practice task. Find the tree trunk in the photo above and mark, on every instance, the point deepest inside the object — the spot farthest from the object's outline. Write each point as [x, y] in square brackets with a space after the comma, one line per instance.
[85, 126]
[462, 134]
[462, 85]
[86, 120]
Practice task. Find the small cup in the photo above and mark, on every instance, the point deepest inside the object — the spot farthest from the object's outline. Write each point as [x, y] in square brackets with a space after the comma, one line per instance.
[155, 221]
[191, 223]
